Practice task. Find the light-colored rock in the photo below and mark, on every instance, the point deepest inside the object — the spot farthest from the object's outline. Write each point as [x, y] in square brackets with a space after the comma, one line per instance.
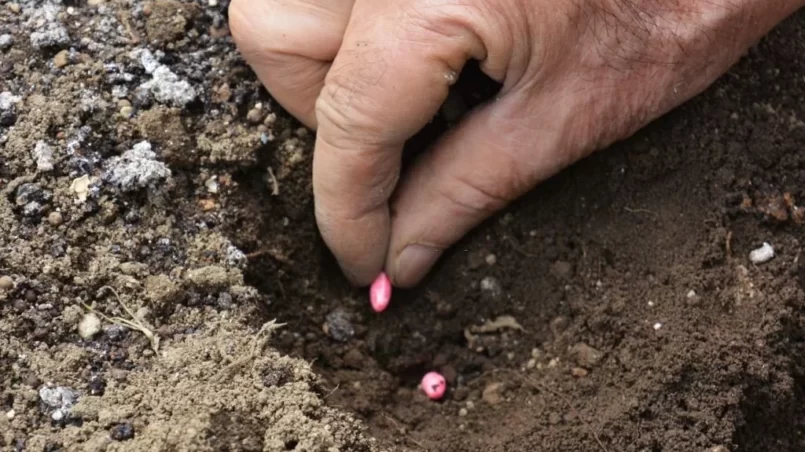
[89, 326]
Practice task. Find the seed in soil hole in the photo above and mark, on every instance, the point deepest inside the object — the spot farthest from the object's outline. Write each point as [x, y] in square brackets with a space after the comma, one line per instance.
[434, 385]
[380, 293]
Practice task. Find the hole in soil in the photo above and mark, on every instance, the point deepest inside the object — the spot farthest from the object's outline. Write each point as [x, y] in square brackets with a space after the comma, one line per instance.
[291, 445]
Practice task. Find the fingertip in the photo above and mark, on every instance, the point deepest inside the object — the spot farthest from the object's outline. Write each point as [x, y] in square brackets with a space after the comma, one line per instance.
[408, 267]
[358, 244]
[356, 279]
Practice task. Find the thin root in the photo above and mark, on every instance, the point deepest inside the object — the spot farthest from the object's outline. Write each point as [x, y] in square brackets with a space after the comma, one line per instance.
[630, 210]
[259, 342]
[275, 185]
[134, 323]
[728, 243]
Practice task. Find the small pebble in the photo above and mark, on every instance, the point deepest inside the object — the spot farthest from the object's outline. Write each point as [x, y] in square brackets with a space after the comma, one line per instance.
[10, 414]
[493, 393]
[462, 412]
[338, 325]
[89, 326]
[434, 385]
[490, 284]
[6, 283]
[579, 372]
[586, 356]
[97, 385]
[657, 326]
[491, 259]
[254, 116]
[14, 8]
[55, 218]
[61, 59]
[762, 255]
[212, 184]
[6, 41]
[380, 293]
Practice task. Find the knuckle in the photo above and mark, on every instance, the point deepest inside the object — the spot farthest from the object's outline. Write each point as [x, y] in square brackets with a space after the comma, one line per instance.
[344, 116]
[454, 25]
[477, 197]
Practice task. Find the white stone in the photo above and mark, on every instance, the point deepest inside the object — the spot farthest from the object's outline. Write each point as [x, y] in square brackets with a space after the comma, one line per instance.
[89, 326]
[43, 154]
[761, 255]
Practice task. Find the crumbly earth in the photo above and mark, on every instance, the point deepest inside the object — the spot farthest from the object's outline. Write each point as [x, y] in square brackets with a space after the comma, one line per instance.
[148, 178]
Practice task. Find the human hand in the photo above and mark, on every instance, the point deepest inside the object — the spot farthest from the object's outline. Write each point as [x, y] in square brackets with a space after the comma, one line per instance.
[576, 76]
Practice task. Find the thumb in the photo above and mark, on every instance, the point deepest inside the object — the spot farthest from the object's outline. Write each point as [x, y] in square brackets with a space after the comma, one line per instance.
[496, 154]
[391, 74]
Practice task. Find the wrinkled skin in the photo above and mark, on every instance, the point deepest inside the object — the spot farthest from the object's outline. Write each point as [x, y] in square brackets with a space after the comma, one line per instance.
[577, 76]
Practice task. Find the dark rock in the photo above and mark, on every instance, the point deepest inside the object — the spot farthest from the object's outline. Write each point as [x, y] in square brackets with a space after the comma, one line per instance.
[122, 432]
[97, 385]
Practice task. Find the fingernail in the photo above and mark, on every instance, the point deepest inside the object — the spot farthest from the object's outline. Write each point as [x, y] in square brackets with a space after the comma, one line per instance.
[414, 262]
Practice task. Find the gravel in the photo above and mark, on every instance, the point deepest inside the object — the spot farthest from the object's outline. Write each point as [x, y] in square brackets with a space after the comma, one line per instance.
[43, 154]
[50, 32]
[136, 168]
[61, 398]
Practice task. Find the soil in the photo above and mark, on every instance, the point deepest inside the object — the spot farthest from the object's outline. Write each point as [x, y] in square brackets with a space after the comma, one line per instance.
[148, 181]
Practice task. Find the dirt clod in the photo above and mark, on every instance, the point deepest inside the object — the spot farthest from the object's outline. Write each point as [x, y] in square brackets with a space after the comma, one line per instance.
[339, 326]
[89, 326]
[493, 393]
[6, 283]
[55, 218]
[586, 356]
[61, 59]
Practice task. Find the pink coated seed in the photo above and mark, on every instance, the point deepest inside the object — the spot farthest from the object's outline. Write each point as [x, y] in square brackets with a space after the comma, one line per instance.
[380, 293]
[434, 385]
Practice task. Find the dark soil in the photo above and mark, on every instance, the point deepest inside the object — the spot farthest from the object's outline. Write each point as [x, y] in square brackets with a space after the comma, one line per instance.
[629, 317]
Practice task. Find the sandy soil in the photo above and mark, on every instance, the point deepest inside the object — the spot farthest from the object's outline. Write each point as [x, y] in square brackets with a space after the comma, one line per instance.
[163, 286]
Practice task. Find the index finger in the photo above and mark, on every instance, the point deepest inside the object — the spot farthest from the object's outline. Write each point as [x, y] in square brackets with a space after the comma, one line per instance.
[392, 73]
